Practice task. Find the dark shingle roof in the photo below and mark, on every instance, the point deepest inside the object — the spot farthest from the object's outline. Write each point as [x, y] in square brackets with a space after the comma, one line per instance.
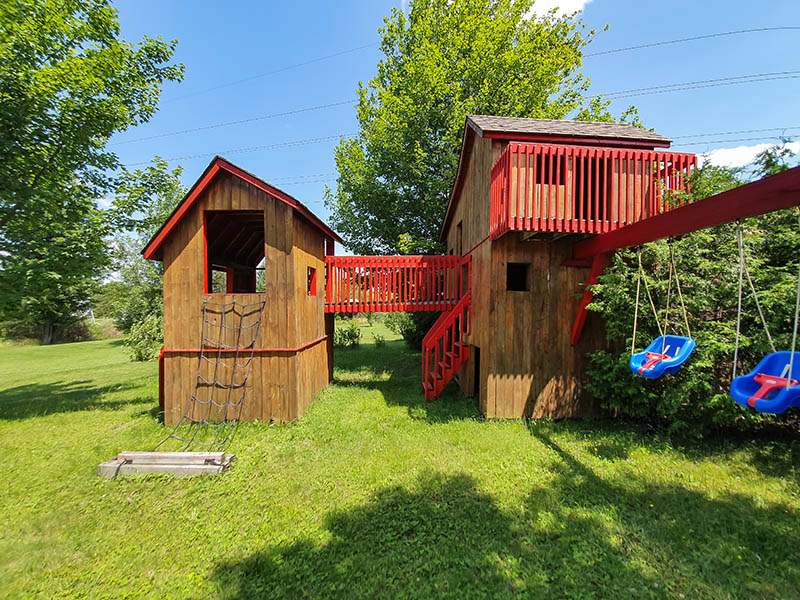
[516, 125]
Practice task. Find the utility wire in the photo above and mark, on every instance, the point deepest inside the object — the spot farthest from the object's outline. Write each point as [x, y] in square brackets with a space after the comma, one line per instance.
[689, 85]
[673, 87]
[239, 122]
[698, 135]
[273, 72]
[251, 149]
[690, 39]
[750, 139]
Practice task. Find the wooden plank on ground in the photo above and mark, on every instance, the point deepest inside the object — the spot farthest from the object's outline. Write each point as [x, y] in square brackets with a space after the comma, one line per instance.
[179, 464]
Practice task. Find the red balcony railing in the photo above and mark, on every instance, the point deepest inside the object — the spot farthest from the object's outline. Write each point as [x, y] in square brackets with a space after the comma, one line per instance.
[392, 283]
[583, 189]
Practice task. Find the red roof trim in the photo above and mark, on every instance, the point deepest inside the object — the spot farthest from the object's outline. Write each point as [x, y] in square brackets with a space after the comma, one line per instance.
[211, 172]
[552, 138]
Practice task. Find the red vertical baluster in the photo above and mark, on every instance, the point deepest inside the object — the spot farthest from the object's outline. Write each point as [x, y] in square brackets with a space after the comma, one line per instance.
[579, 211]
[591, 196]
[559, 209]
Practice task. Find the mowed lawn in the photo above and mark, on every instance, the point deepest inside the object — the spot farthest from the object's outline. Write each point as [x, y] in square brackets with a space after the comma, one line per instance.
[376, 493]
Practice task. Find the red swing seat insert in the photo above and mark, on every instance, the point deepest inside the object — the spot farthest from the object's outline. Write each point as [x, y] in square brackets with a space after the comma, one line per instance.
[769, 383]
[652, 359]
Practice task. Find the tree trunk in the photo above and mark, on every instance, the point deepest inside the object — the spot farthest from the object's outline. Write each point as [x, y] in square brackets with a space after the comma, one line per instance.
[47, 335]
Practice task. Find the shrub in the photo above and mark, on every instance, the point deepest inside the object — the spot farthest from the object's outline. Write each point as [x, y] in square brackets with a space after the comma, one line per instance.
[145, 338]
[412, 326]
[347, 335]
[696, 399]
[379, 340]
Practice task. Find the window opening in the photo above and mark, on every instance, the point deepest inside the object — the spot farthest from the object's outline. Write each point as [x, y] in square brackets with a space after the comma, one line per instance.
[517, 277]
[234, 251]
[312, 281]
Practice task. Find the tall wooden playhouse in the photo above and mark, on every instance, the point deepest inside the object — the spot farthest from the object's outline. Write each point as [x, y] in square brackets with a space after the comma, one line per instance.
[512, 290]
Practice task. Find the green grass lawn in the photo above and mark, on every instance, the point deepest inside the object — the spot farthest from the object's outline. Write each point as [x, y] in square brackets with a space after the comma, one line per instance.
[375, 493]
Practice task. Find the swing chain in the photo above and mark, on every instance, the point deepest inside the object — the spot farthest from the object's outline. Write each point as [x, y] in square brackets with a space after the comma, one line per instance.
[796, 319]
[741, 285]
[642, 277]
[680, 293]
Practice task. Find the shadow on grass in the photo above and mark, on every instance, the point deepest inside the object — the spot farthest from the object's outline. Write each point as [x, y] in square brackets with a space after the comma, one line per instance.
[37, 400]
[582, 536]
[729, 546]
[396, 372]
[444, 539]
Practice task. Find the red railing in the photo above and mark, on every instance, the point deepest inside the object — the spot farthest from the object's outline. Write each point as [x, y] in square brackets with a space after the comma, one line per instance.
[583, 189]
[444, 349]
[391, 283]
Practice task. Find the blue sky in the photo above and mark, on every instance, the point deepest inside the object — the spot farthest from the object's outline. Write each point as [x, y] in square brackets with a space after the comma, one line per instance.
[240, 62]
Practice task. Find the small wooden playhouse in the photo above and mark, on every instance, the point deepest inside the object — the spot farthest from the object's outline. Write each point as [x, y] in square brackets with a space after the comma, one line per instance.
[234, 231]
[514, 329]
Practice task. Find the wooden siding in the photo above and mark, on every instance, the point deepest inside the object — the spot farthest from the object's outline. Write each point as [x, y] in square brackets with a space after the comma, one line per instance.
[283, 382]
[472, 211]
[527, 366]
[532, 369]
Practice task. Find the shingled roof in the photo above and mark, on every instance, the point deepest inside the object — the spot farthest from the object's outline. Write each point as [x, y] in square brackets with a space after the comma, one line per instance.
[485, 125]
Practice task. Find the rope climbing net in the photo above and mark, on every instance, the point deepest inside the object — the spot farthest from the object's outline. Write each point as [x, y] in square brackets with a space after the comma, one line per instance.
[229, 336]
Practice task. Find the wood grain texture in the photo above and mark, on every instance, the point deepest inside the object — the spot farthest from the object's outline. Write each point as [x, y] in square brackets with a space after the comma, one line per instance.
[528, 368]
[282, 384]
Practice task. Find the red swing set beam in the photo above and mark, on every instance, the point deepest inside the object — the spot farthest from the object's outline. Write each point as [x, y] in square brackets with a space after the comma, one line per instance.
[776, 192]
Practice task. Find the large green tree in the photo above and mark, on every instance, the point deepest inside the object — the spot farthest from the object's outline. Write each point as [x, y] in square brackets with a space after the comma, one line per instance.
[68, 82]
[445, 60]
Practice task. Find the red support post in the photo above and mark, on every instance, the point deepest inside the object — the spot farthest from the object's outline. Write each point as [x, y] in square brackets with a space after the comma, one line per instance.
[580, 318]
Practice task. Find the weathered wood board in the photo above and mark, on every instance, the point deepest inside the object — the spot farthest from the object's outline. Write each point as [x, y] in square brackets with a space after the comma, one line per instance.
[179, 464]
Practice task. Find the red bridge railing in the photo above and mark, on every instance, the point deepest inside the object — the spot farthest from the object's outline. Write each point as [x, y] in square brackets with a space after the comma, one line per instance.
[583, 189]
[392, 283]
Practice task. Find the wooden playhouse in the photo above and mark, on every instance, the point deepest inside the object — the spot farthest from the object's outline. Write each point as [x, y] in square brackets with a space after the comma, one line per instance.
[513, 328]
[231, 233]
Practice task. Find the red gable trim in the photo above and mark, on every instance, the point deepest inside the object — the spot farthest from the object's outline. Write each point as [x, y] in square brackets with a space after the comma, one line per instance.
[211, 172]
[552, 138]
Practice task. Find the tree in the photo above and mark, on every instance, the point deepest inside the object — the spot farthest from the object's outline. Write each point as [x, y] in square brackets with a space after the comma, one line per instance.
[68, 81]
[145, 199]
[51, 263]
[446, 60]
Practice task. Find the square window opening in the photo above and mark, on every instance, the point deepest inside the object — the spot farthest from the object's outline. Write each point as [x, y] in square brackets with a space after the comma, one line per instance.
[234, 251]
[517, 277]
[312, 281]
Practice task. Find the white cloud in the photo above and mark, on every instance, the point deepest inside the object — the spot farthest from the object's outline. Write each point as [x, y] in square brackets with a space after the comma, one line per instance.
[740, 155]
[563, 7]
[104, 203]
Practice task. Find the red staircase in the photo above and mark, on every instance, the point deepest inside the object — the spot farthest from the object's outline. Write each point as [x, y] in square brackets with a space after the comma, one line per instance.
[444, 348]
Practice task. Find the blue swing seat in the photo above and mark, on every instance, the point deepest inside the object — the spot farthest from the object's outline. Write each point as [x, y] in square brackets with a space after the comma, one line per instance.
[652, 364]
[764, 388]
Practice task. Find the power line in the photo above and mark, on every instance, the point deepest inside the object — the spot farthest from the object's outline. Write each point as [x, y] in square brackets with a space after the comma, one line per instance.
[239, 122]
[273, 72]
[703, 83]
[301, 177]
[251, 149]
[698, 135]
[690, 86]
[691, 39]
[751, 139]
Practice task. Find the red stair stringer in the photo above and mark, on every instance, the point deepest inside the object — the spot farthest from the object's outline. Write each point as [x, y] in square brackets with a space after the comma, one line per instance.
[444, 349]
